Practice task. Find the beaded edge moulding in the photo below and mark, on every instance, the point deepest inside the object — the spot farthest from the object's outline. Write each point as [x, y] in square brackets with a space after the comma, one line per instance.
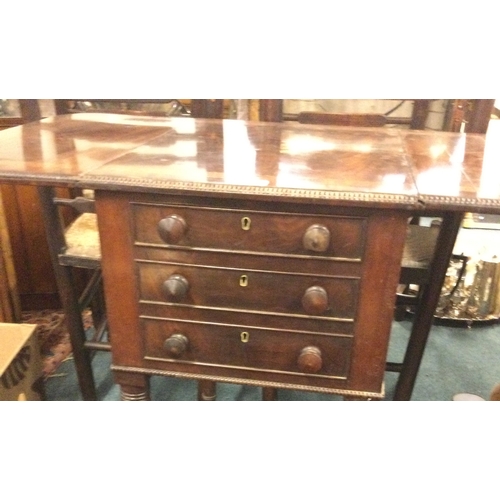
[102, 183]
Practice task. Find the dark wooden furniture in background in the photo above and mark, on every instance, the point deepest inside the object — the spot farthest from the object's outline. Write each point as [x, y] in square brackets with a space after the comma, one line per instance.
[10, 305]
[196, 253]
[150, 107]
[207, 108]
[35, 279]
[473, 115]
[271, 110]
[415, 122]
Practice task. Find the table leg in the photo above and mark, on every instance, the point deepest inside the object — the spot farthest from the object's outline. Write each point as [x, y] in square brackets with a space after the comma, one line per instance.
[206, 390]
[67, 292]
[424, 316]
[133, 386]
[269, 394]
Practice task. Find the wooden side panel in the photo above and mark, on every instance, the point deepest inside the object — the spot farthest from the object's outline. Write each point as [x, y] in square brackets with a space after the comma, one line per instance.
[384, 250]
[35, 281]
[113, 215]
[35, 278]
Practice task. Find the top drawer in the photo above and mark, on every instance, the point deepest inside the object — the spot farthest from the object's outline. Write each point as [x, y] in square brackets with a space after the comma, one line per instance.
[331, 237]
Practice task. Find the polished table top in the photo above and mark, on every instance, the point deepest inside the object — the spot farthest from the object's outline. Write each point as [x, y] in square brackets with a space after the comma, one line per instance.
[390, 167]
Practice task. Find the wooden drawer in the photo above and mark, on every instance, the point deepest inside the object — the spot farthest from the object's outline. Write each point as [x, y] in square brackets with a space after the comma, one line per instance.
[248, 319]
[251, 231]
[249, 348]
[250, 290]
[281, 264]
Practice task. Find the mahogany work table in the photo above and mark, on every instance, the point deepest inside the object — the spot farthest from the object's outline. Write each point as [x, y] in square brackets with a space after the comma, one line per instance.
[258, 253]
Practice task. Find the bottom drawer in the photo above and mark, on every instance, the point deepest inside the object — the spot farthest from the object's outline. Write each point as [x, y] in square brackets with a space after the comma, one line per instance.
[181, 343]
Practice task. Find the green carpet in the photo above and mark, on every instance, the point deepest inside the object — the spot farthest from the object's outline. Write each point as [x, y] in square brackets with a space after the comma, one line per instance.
[456, 360]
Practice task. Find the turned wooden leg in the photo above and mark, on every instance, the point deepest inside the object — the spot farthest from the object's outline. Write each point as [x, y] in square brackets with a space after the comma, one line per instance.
[269, 394]
[206, 390]
[131, 393]
[133, 387]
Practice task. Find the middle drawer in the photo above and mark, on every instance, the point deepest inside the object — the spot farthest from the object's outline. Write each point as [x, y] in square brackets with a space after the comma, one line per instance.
[248, 290]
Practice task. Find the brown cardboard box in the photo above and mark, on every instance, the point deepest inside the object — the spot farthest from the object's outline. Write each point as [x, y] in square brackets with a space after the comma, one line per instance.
[20, 363]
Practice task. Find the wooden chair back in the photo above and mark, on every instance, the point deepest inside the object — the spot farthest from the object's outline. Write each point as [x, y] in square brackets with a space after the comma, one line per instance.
[350, 120]
[271, 110]
[471, 115]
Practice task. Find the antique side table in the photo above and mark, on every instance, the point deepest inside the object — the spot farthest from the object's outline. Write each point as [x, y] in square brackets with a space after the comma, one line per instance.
[258, 253]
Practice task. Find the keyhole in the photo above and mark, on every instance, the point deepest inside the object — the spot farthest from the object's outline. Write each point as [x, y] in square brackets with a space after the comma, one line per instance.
[245, 337]
[244, 280]
[245, 223]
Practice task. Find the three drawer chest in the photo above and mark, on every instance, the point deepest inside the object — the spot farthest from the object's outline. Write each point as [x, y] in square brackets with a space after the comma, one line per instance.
[274, 294]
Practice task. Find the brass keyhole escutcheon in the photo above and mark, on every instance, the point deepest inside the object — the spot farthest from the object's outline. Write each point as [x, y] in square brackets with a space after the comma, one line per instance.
[245, 337]
[245, 223]
[243, 280]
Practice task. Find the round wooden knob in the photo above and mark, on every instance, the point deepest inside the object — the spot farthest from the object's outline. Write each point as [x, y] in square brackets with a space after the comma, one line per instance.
[176, 345]
[175, 288]
[315, 300]
[172, 228]
[316, 238]
[310, 360]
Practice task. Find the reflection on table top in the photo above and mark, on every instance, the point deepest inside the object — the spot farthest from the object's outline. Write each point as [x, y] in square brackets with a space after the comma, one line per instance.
[351, 165]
